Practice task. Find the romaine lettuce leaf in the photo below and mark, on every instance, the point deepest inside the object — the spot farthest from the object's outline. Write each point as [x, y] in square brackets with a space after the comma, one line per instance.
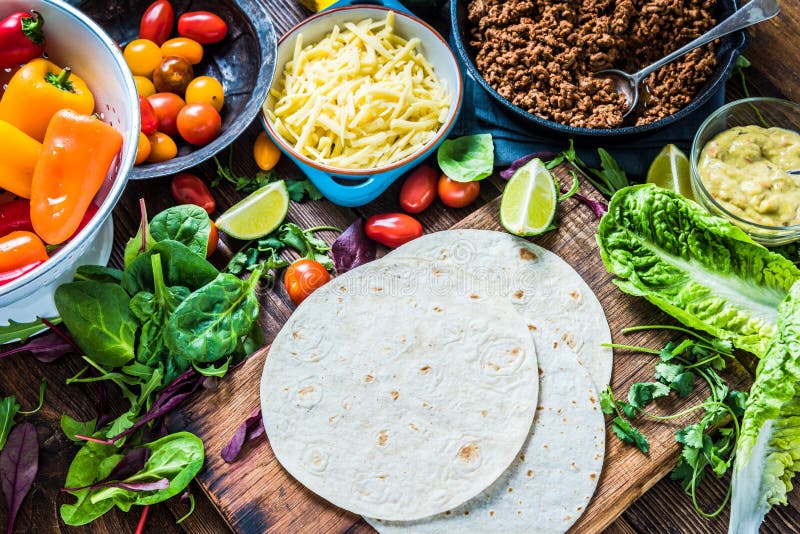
[768, 450]
[700, 269]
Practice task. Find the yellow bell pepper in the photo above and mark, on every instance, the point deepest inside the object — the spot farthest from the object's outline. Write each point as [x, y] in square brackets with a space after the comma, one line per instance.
[19, 153]
[37, 91]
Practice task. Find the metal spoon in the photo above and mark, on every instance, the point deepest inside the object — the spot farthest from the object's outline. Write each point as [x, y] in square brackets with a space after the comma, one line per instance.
[752, 13]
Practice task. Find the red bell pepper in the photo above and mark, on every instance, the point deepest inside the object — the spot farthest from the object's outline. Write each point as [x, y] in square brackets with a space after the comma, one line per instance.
[15, 215]
[21, 38]
[10, 276]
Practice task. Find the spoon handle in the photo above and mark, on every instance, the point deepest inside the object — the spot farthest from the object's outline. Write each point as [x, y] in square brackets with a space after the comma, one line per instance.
[752, 13]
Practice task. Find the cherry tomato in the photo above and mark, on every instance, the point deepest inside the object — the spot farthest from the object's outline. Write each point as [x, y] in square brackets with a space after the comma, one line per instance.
[419, 189]
[142, 57]
[15, 216]
[205, 89]
[199, 124]
[265, 152]
[162, 148]
[202, 26]
[173, 75]
[149, 121]
[189, 189]
[392, 229]
[167, 106]
[185, 48]
[458, 194]
[19, 249]
[143, 150]
[303, 277]
[144, 86]
[157, 22]
[213, 240]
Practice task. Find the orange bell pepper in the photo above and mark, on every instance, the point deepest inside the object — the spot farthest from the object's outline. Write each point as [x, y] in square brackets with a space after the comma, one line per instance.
[19, 249]
[37, 91]
[18, 156]
[77, 152]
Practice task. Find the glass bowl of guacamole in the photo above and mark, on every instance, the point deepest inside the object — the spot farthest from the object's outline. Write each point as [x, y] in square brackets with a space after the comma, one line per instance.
[740, 157]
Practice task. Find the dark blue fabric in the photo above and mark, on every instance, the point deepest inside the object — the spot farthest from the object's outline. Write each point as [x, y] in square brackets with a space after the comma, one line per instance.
[480, 113]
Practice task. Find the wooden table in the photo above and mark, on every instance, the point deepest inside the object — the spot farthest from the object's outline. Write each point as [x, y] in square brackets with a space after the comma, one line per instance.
[664, 508]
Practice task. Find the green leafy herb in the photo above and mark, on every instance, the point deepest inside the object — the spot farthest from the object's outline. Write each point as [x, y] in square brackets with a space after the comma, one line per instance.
[630, 434]
[142, 241]
[181, 267]
[8, 410]
[97, 273]
[299, 190]
[73, 428]
[15, 331]
[608, 179]
[187, 224]
[42, 388]
[468, 158]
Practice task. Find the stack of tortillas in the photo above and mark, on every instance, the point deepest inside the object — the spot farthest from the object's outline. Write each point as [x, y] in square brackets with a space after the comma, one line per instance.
[449, 387]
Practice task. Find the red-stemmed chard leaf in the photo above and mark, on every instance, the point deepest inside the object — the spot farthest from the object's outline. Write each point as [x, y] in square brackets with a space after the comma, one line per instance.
[352, 248]
[19, 463]
[517, 163]
[250, 429]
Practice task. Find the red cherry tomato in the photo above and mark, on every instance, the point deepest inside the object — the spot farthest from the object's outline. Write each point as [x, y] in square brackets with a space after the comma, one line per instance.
[458, 194]
[148, 116]
[189, 189]
[213, 240]
[14, 216]
[167, 106]
[199, 124]
[202, 26]
[157, 22]
[419, 189]
[392, 229]
[303, 277]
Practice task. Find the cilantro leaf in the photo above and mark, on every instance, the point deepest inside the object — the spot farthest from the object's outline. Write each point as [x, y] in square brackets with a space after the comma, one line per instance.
[300, 189]
[691, 436]
[736, 401]
[628, 433]
[642, 393]
[607, 402]
[683, 384]
[668, 372]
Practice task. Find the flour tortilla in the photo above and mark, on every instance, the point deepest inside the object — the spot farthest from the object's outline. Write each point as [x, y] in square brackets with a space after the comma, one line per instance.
[400, 389]
[552, 480]
[545, 289]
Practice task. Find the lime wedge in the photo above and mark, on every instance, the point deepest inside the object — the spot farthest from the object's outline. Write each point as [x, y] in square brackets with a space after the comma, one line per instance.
[671, 170]
[257, 214]
[529, 200]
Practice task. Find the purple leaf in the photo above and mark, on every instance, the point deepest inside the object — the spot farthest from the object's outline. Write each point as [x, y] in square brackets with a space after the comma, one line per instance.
[250, 429]
[131, 463]
[517, 163]
[352, 248]
[154, 485]
[599, 207]
[19, 463]
[46, 348]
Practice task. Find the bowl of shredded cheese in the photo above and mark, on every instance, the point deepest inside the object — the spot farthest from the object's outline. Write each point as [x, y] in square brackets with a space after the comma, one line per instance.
[361, 95]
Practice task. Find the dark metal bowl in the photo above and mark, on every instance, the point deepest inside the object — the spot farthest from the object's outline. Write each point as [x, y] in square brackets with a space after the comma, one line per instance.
[728, 49]
[243, 62]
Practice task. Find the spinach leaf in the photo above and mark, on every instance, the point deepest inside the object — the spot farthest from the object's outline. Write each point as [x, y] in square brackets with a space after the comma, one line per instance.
[468, 158]
[187, 224]
[99, 319]
[208, 325]
[72, 427]
[8, 410]
[98, 273]
[181, 267]
[93, 462]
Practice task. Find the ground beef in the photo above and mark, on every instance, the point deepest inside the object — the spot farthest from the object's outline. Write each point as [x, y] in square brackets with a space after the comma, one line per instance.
[540, 54]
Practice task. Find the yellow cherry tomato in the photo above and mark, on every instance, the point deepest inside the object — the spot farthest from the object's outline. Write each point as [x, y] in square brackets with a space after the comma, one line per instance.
[162, 148]
[185, 48]
[142, 56]
[143, 150]
[205, 90]
[265, 152]
[144, 86]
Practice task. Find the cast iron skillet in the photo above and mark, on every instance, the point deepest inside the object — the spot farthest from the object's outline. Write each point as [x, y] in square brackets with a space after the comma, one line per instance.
[729, 48]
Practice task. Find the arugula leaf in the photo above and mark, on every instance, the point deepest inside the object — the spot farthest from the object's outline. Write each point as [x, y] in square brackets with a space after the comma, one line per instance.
[8, 410]
[630, 434]
[15, 331]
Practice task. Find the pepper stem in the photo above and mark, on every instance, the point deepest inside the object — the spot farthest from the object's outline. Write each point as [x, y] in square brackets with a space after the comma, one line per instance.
[32, 27]
[61, 80]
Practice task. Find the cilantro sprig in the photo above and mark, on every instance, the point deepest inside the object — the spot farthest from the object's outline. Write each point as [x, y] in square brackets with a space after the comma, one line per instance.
[298, 190]
[608, 179]
[680, 367]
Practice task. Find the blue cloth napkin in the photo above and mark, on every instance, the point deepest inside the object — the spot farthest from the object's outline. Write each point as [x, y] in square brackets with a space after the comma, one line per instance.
[481, 114]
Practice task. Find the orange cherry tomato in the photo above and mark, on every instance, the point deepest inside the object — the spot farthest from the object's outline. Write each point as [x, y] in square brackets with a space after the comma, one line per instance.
[392, 229]
[419, 189]
[142, 57]
[458, 194]
[213, 240]
[144, 86]
[265, 152]
[19, 249]
[167, 106]
[185, 48]
[206, 90]
[187, 188]
[199, 124]
[162, 148]
[143, 150]
[303, 277]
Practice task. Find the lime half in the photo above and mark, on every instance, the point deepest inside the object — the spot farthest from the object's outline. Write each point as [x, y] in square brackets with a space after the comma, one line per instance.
[671, 170]
[257, 214]
[529, 200]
